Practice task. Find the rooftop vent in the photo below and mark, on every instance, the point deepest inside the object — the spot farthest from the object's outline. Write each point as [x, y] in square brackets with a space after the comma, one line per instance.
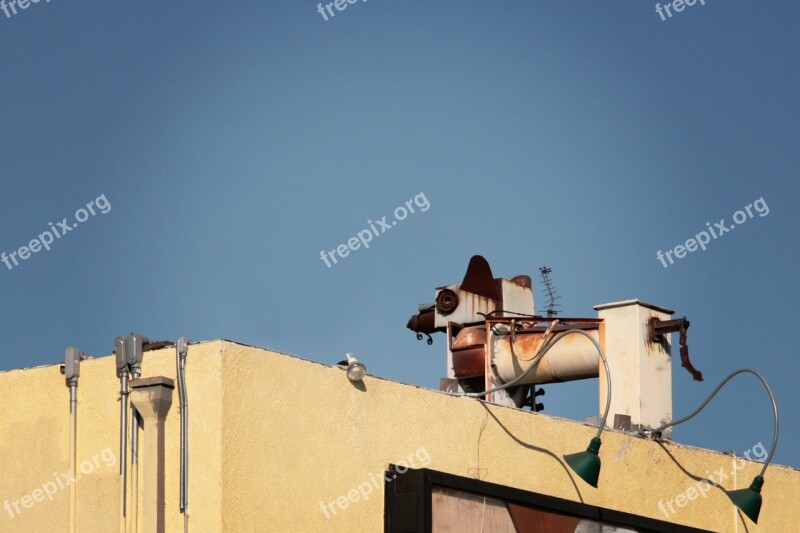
[493, 336]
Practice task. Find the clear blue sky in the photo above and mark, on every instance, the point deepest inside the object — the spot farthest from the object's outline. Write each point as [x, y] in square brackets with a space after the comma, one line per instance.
[235, 141]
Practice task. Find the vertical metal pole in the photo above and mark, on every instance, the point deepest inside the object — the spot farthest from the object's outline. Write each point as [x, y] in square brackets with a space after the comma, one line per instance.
[181, 350]
[71, 371]
[134, 469]
[73, 441]
[123, 447]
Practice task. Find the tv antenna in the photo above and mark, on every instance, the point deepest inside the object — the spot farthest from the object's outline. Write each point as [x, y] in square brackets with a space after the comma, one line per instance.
[550, 291]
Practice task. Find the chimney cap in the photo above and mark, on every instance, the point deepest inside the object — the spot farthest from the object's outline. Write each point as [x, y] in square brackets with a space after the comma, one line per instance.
[153, 382]
[625, 303]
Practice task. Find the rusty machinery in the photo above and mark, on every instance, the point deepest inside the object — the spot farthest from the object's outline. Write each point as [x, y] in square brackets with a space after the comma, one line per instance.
[494, 336]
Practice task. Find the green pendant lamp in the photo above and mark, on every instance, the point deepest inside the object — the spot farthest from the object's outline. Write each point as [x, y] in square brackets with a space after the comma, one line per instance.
[587, 464]
[747, 500]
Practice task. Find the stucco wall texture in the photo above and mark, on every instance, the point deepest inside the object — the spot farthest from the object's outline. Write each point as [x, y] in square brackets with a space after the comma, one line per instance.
[273, 439]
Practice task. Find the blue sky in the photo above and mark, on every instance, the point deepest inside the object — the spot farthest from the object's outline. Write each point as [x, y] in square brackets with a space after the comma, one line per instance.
[234, 142]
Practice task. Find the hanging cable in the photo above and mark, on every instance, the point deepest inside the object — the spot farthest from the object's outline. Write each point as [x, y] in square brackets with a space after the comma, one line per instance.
[657, 432]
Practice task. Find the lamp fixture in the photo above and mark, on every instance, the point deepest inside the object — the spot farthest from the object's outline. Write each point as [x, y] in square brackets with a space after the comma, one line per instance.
[747, 500]
[587, 464]
[355, 370]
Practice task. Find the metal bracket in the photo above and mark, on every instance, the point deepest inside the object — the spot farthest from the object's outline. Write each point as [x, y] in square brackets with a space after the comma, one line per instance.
[657, 329]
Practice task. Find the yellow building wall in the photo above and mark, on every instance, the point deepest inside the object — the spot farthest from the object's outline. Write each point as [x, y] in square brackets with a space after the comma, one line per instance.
[34, 444]
[272, 438]
[298, 435]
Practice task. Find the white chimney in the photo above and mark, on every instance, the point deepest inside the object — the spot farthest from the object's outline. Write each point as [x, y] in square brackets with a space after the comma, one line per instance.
[641, 371]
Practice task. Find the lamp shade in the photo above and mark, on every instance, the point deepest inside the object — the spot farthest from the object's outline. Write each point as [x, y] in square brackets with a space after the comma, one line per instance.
[356, 371]
[749, 500]
[586, 464]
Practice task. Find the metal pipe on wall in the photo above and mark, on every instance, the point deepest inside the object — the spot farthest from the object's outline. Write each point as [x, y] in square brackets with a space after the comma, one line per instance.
[129, 353]
[72, 362]
[123, 448]
[181, 350]
[122, 373]
[73, 442]
[134, 469]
